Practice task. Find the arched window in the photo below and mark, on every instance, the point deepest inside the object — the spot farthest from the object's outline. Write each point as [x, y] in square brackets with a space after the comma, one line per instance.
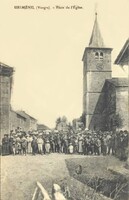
[101, 55]
[96, 55]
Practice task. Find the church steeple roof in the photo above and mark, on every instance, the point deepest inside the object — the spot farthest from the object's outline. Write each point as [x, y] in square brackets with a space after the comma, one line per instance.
[96, 39]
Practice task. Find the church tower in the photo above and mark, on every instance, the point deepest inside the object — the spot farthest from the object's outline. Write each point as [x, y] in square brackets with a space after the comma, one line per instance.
[96, 69]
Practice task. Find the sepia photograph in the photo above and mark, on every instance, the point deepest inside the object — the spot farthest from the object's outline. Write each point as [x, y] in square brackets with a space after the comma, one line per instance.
[64, 100]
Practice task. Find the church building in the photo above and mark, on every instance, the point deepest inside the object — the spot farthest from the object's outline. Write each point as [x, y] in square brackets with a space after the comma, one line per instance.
[105, 99]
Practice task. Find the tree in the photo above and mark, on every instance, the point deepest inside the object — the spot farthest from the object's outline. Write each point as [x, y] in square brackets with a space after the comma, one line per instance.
[118, 122]
[83, 119]
[64, 119]
[74, 124]
[58, 121]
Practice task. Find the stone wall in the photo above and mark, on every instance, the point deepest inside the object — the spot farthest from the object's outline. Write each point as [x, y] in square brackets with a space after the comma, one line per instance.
[116, 105]
[16, 121]
[122, 105]
[90, 60]
[5, 96]
[97, 121]
[93, 83]
[29, 124]
[110, 105]
[33, 124]
[4, 105]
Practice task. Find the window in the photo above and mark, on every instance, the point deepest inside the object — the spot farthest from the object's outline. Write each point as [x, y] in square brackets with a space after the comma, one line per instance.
[96, 55]
[101, 56]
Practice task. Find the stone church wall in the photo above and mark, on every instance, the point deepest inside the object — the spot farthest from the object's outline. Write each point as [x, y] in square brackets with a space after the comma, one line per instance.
[122, 105]
[96, 80]
[97, 119]
[90, 60]
[110, 105]
[116, 105]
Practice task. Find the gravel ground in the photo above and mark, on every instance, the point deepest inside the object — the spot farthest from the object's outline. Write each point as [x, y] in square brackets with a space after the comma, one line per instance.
[20, 173]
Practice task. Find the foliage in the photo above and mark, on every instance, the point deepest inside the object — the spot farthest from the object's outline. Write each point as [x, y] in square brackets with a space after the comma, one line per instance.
[58, 121]
[118, 122]
[83, 119]
[64, 119]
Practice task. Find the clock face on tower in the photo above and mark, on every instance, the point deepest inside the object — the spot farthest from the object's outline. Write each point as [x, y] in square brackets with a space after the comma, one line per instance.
[99, 65]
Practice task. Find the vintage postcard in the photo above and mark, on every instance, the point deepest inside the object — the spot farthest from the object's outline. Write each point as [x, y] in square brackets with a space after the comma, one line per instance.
[64, 104]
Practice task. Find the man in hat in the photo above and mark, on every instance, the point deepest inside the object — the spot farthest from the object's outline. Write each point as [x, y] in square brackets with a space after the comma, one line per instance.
[24, 145]
[34, 145]
[104, 145]
[40, 143]
[11, 144]
[80, 144]
[47, 146]
[124, 146]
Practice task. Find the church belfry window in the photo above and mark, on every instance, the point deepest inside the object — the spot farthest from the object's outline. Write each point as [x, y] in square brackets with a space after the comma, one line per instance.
[96, 55]
[101, 56]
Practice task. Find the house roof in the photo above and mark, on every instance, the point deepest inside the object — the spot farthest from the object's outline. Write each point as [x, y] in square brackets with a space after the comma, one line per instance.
[18, 114]
[5, 69]
[96, 39]
[123, 56]
[24, 114]
[42, 127]
[119, 82]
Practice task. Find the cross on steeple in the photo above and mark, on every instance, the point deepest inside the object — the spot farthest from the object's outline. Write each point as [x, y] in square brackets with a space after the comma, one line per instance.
[96, 14]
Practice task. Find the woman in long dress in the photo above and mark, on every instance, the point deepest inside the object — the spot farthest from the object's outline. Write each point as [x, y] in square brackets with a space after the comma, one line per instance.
[47, 146]
[80, 144]
[34, 145]
[29, 140]
[5, 145]
[70, 148]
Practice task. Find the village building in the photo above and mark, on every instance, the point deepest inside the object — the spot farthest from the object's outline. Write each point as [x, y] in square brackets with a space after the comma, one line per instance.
[62, 125]
[21, 121]
[42, 127]
[6, 77]
[123, 57]
[116, 107]
[123, 60]
[77, 124]
[17, 121]
[105, 99]
[30, 124]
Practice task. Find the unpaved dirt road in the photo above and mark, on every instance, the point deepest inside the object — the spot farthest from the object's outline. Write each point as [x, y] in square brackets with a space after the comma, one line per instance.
[20, 173]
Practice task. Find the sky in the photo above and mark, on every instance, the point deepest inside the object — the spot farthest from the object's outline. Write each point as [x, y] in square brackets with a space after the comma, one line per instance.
[45, 47]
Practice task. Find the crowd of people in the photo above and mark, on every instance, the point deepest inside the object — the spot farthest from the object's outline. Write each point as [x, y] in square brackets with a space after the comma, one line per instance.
[85, 142]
